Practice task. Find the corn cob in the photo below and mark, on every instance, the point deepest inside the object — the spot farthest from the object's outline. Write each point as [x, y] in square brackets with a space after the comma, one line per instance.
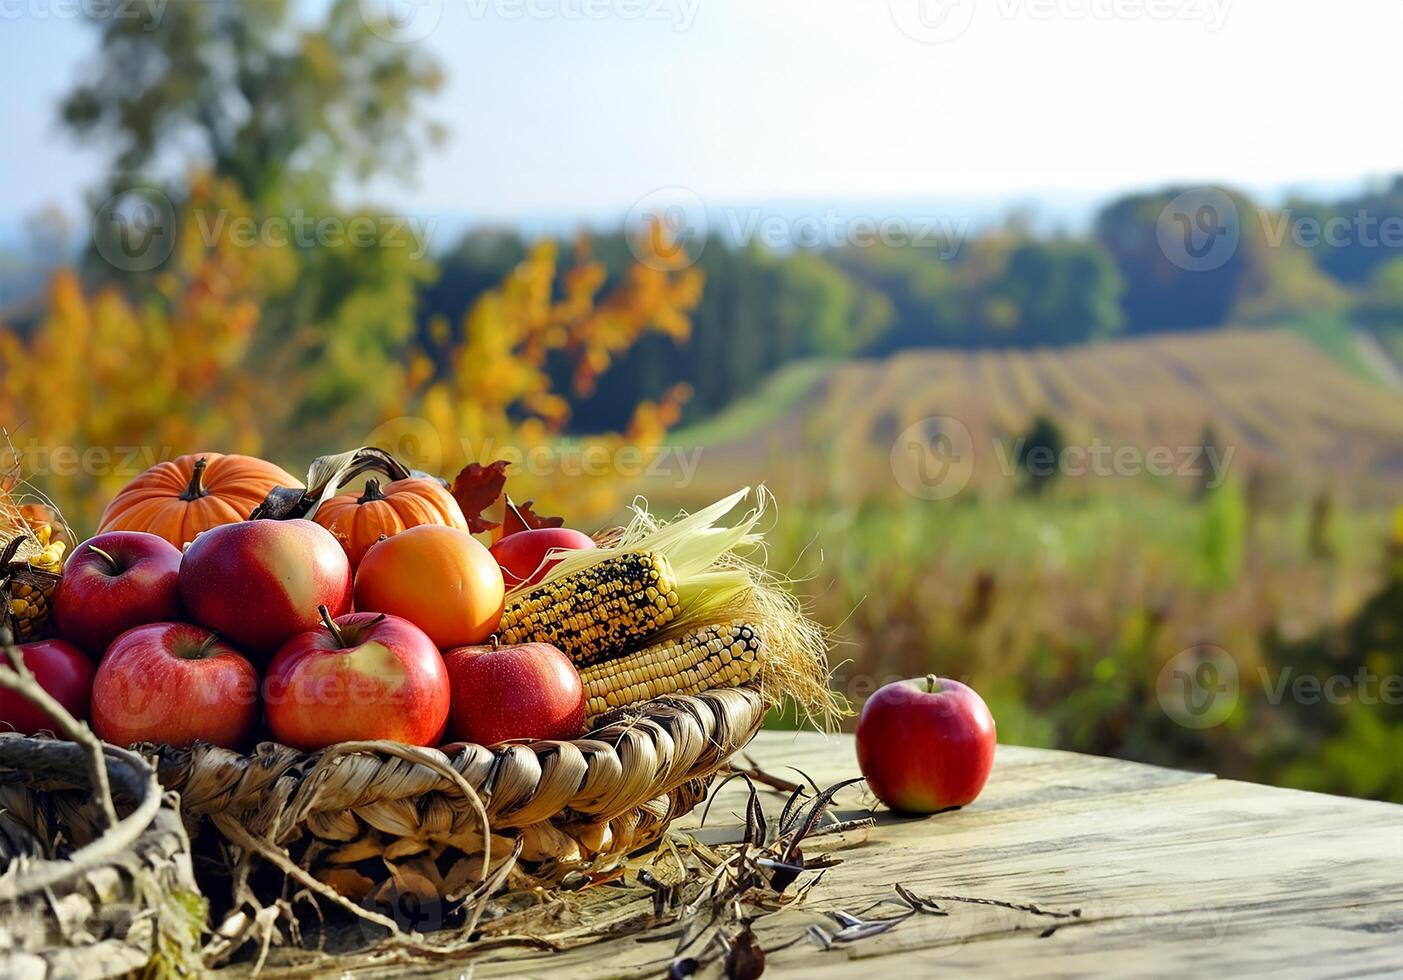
[614, 605]
[722, 655]
[27, 589]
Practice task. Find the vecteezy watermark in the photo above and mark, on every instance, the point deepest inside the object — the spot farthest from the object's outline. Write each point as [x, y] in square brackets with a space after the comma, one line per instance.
[568, 459]
[67, 462]
[1199, 230]
[1102, 459]
[1199, 686]
[306, 231]
[135, 230]
[149, 12]
[933, 459]
[1202, 229]
[407, 21]
[1362, 687]
[401, 21]
[1360, 229]
[666, 229]
[417, 443]
[680, 14]
[835, 229]
[941, 21]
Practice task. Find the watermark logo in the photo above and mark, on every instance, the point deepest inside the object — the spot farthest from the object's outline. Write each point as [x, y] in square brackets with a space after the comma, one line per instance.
[135, 230]
[413, 441]
[1199, 230]
[149, 12]
[667, 228]
[1199, 687]
[932, 21]
[401, 21]
[933, 459]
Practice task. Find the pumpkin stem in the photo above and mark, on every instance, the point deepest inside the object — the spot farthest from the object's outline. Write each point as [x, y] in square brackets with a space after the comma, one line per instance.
[195, 489]
[111, 562]
[330, 624]
[372, 492]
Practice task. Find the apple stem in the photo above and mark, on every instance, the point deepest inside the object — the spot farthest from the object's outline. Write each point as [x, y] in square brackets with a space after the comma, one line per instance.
[330, 623]
[205, 646]
[112, 562]
[195, 489]
[932, 684]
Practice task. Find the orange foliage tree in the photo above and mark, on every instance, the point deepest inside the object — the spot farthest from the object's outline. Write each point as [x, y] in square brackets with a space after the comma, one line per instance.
[496, 399]
[108, 383]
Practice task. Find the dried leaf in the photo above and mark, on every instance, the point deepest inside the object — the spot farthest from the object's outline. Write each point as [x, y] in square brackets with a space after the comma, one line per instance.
[478, 487]
[520, 517]
[745, 960]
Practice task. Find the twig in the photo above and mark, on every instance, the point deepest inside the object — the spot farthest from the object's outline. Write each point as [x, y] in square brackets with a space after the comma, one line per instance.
[1016, 907]
[765, 778]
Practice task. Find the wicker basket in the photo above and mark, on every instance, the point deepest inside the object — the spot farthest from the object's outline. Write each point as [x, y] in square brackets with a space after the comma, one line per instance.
[372, 819]
[81, 898]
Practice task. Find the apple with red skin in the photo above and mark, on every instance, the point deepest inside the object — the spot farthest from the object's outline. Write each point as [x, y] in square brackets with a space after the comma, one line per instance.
[64, 672]
[114, 582]
[500, 693]
[176, 684]
[360, 676]
[259, 583]
[523, 555]
[925, 744]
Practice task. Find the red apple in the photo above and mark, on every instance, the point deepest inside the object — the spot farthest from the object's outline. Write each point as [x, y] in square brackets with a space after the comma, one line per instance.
[62, 671]
[500, 693]
[523, 555]
[925, 744]
[259, 583]
[116, 581]
[361, 676]
[176, 684]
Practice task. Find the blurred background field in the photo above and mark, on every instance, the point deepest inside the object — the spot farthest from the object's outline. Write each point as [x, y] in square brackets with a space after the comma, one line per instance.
[1225, 430]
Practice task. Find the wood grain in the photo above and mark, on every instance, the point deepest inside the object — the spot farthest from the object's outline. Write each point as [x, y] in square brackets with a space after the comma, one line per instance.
[1172, 873]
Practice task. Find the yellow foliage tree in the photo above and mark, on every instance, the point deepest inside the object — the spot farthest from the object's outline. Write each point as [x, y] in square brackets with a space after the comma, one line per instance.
[107, 383]
[496, 399]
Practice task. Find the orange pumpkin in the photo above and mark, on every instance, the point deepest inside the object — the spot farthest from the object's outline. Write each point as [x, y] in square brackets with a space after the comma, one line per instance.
[441, 579]
[180, 498]
[358, 520]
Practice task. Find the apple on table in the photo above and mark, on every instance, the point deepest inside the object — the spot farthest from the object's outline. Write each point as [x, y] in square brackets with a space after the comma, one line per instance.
[926, 744]
[114, 582]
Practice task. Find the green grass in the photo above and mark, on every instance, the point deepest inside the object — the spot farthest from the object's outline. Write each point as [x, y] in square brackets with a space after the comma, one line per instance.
[1332, 335]
[776, 396]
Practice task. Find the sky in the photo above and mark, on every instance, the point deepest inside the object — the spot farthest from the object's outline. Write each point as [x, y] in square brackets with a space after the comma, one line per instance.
[584, 107]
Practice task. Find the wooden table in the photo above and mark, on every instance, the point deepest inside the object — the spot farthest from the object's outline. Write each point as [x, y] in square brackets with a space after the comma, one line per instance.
[1174, 874]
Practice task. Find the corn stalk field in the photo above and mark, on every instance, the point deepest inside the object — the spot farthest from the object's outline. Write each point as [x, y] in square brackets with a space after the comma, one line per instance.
[1066, 606]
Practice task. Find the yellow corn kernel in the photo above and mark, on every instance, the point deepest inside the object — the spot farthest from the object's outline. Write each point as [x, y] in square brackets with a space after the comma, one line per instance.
[722, 655]
[617, 604]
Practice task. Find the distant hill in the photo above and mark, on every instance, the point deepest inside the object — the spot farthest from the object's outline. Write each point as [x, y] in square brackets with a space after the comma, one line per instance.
[1276, 401]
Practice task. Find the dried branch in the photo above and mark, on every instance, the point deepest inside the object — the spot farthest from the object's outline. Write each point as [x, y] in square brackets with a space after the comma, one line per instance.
[18, 679]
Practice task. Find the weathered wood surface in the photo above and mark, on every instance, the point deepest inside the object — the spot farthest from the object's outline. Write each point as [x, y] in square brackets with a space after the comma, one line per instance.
[1175, 874]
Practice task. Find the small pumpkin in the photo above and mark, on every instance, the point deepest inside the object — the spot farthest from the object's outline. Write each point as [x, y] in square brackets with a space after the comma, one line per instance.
[359, 519]
[179, 498]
